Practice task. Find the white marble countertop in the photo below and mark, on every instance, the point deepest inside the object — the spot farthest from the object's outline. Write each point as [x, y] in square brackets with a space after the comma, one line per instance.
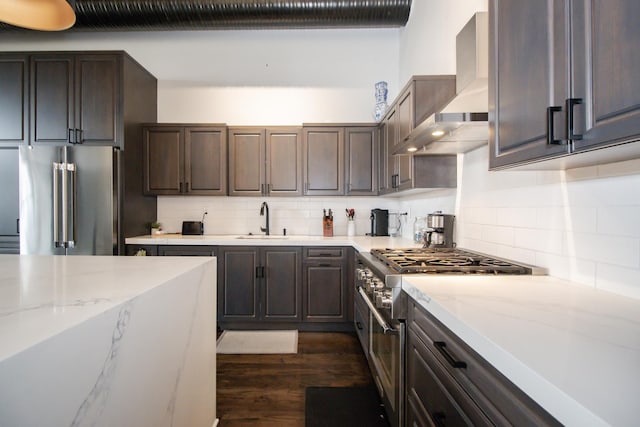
[42, 296]
[575, 350]
[360, 243]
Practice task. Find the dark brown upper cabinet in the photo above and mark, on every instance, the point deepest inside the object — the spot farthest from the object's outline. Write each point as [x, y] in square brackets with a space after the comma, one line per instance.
[185, 160]
[265, 162]
[361, 161]
[563, 80]
[421, 97]
[323, 160]
[76, 98]
[14, 99]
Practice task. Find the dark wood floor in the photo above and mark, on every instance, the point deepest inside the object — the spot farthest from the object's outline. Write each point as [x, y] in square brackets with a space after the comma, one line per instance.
[268, 390]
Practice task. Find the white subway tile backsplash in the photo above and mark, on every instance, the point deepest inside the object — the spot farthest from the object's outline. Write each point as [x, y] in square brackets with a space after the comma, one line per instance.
[619, 221]
[624, 281]
[539, 240]
[498, 235]
[621, 251]
[516, 217]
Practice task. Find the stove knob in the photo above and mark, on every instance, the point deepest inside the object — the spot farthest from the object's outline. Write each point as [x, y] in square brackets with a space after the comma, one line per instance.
[386, 302]
[377, 283]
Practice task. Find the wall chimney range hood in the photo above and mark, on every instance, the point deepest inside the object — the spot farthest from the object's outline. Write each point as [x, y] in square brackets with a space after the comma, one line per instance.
[462, 124]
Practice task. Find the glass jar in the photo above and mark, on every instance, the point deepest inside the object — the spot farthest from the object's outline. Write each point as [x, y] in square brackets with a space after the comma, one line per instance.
[419, 227]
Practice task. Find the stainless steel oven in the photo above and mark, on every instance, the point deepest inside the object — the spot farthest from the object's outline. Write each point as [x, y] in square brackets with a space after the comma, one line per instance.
[386, 335]
[379, 287]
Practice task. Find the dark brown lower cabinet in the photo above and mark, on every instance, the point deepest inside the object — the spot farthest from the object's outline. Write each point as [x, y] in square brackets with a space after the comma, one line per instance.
[143, 250]
[186, 250]
[449, 384]
[259, 284]
[325, 285]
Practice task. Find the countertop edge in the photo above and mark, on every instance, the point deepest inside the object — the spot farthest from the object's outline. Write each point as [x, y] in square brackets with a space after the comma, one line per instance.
[558, 403]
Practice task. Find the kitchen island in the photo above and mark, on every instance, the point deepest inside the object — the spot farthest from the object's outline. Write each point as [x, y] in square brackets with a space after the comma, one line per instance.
[575, 350]
[90, 340]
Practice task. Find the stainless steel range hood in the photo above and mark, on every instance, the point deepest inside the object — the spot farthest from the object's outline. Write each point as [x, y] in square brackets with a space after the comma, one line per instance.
[462, 124]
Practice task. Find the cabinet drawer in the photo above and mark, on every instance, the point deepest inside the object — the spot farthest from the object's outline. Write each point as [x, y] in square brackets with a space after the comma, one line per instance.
[329, 252]
[501, 400]
[187, 250]
[433, 393]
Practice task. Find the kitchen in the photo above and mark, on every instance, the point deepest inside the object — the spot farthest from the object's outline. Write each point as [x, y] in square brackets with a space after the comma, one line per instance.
[581, 224]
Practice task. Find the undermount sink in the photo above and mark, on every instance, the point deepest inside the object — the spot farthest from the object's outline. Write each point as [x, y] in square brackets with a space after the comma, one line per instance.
[262, 237]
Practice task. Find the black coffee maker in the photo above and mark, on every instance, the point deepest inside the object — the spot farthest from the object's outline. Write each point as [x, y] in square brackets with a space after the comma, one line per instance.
[379, 222]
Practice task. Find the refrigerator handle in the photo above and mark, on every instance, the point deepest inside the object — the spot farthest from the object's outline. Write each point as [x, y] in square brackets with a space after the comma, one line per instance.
[65, 206]
[71, 240]
[56, 204]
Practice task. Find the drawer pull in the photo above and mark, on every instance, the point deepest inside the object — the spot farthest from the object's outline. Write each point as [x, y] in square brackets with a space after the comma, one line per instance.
[359, 325]
[442, 348]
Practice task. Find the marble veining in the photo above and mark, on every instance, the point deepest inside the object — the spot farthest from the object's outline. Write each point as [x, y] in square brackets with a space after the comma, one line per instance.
[92, 407]
[107, 341]
[568, 346]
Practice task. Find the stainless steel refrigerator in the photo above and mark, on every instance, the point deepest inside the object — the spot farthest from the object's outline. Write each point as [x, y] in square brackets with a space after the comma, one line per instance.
[71, 200]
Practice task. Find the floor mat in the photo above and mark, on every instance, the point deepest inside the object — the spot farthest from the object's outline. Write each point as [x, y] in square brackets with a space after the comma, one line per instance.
[343, 406]
[257, 342]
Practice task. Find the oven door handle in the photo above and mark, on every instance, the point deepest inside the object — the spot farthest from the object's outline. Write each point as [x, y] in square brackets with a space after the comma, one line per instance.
[383, 324]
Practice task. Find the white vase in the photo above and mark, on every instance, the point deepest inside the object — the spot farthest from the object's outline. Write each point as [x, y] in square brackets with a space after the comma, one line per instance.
[351, 228]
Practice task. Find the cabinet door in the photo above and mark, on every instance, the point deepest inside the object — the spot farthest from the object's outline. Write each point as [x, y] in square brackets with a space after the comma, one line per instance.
[324, 161]
[325, 292]
[606, 66]
[163, 150]
[384, 180]
[238, 295]
[9, 197]
[528, 72]
[390, 129]
[282, 276]
[51, 97]
[14, 93]
[98, 102]
[205, 152]
[405, 115]
[284, 162]
[360, 160]
[246, 162]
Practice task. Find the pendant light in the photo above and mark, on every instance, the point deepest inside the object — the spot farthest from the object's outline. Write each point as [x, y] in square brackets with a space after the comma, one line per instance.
[45, 15]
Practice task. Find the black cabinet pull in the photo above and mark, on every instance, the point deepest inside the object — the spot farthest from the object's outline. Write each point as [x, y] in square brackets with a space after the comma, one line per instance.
[262, 271]
[441, 346]
[359, 325]
[569, 104]
[439, 419]
[181, 188]
[259, 272]
[70, 140]
[551, 128]
[18, 226]
[187, 186]
[78, 136]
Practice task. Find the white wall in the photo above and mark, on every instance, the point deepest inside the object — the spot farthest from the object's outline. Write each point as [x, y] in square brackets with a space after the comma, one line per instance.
[250, 77]
[428, 42]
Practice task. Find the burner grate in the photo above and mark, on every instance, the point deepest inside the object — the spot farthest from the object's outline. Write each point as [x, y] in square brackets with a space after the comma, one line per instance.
[427, 260]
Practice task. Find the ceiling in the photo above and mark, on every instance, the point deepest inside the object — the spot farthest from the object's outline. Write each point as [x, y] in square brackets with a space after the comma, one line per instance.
[167, 15]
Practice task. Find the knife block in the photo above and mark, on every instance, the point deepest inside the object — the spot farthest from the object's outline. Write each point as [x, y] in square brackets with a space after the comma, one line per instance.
[327, 227]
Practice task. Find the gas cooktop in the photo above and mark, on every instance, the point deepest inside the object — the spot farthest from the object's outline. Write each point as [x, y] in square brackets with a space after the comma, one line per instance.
[429, 260]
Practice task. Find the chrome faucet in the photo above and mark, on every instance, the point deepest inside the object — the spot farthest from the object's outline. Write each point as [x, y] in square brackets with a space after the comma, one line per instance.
[263, 208]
